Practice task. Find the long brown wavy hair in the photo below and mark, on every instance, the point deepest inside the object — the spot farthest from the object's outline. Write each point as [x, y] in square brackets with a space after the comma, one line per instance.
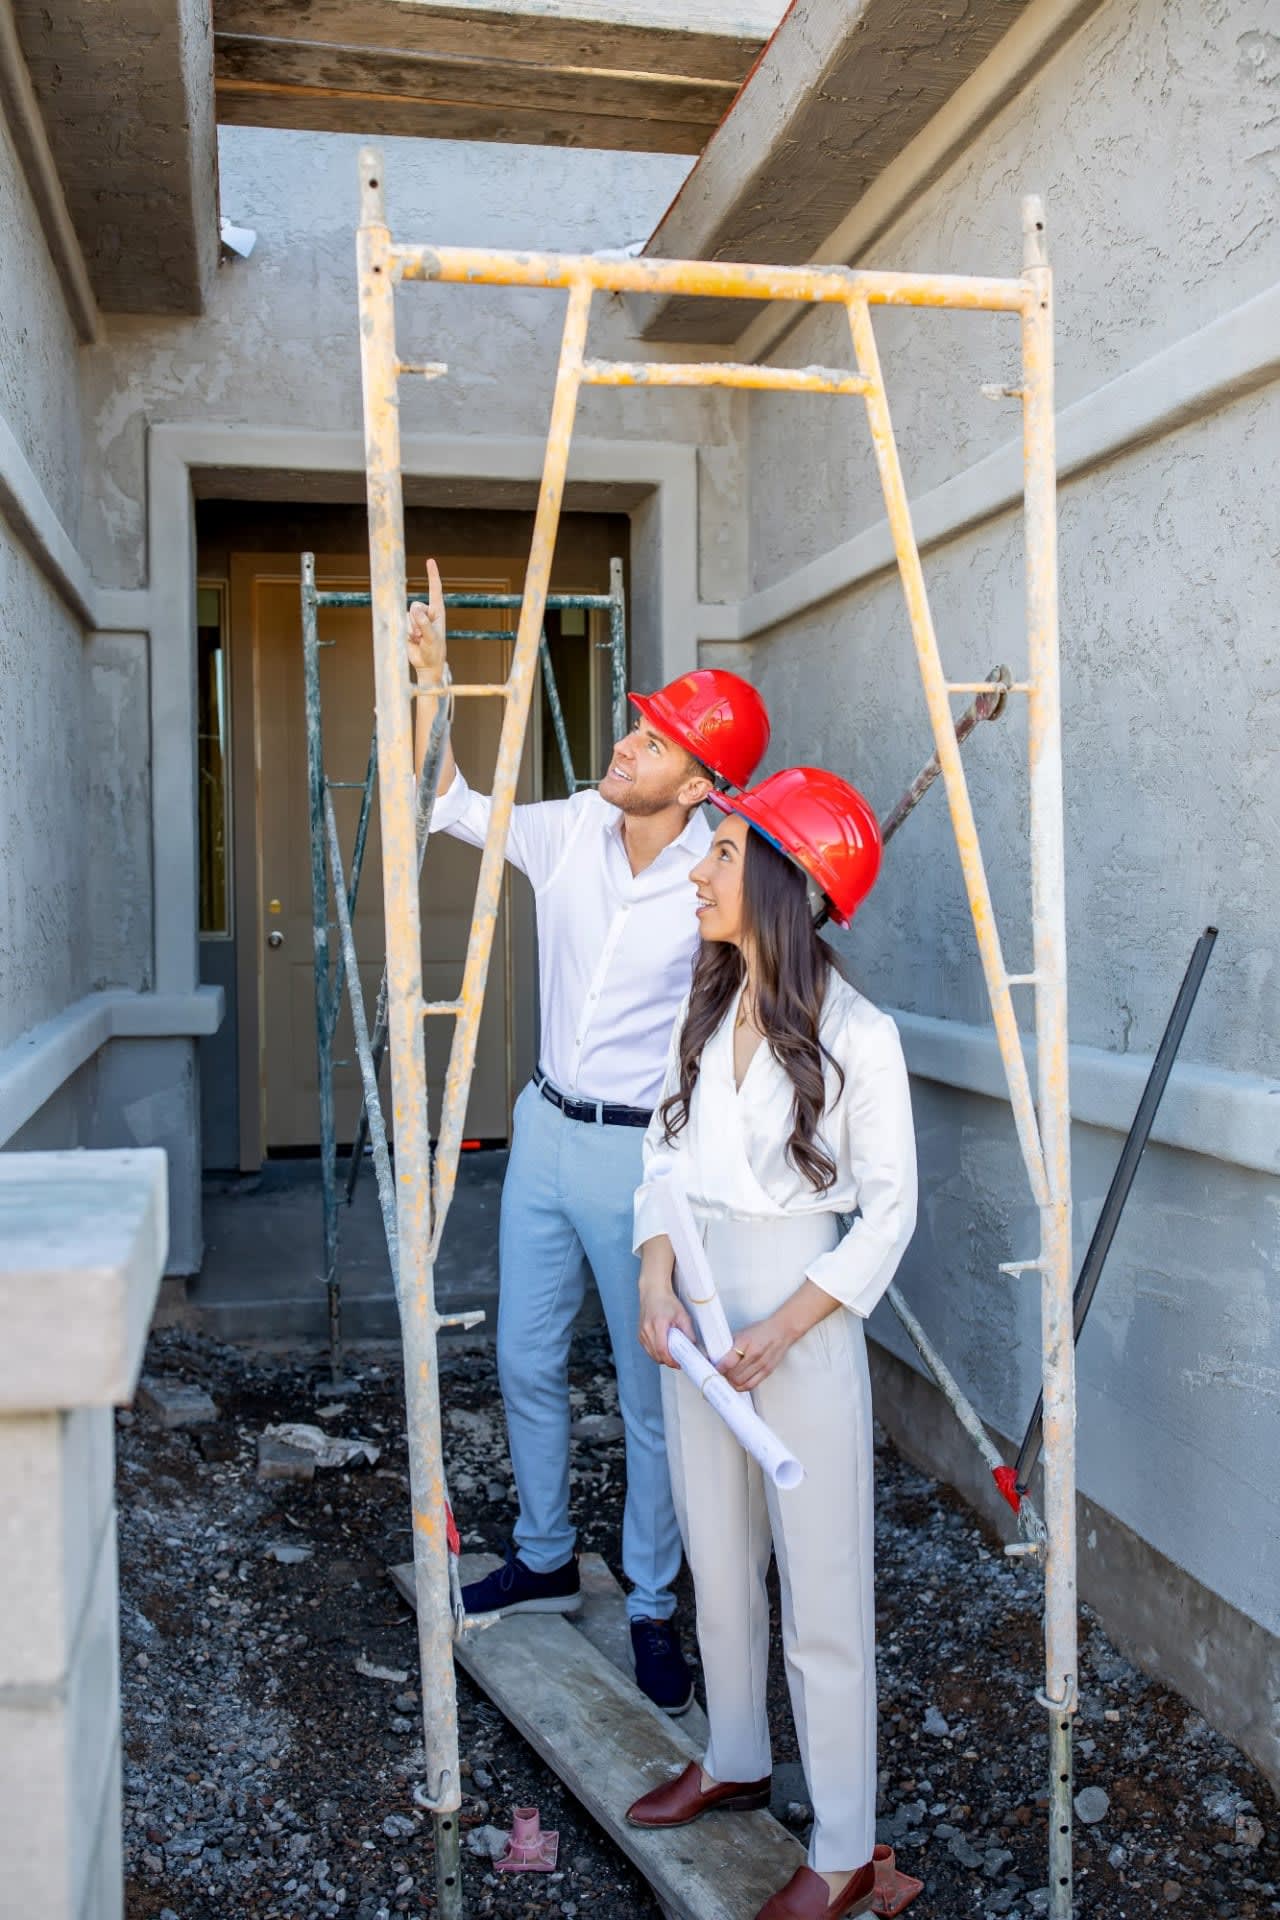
[792, 965]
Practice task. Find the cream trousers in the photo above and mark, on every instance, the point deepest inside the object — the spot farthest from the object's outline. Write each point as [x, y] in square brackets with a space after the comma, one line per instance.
[818, 1400]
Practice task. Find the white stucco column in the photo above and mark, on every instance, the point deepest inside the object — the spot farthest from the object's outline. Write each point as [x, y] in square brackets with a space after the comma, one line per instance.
[83, 1238]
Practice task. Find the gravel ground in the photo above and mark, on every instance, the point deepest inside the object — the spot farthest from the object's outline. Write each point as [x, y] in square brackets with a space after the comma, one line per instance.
[267, 1778]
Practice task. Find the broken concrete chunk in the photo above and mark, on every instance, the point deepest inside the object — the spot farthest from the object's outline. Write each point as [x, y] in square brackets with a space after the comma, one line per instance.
[597, 1429]
[324, 1449]
[175, 1403]
[277, 1460]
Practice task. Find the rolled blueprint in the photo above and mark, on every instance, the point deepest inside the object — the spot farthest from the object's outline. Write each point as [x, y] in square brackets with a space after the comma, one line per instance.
[737, 1412]
[694, 1280]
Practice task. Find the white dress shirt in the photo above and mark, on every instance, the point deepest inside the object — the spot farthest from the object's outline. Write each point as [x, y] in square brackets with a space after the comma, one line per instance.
[615, 949]
[731, 1152]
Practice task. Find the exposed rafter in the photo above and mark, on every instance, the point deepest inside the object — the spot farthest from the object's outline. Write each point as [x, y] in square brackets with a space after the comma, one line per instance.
[654, 78]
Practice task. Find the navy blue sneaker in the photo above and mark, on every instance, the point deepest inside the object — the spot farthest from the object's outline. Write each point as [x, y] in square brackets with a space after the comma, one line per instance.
[661, 1669]
[515, 1588]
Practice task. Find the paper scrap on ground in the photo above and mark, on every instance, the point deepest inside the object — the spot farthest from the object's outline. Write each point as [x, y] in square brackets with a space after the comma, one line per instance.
[327, 1449]
[737, 1412]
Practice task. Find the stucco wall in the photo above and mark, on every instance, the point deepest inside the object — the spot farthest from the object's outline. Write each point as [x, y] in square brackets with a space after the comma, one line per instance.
[42, 780]
[1146, 136]
[278, 345]
[39, 389]
[75, 827]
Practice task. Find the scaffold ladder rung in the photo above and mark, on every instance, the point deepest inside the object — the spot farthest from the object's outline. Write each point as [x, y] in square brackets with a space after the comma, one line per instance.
[722, 373]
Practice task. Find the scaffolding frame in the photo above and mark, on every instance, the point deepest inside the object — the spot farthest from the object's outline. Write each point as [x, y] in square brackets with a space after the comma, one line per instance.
[423, 1190]
[332, 972]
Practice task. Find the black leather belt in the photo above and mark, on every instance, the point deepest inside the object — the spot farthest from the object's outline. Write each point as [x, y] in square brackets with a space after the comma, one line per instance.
[602, 1113]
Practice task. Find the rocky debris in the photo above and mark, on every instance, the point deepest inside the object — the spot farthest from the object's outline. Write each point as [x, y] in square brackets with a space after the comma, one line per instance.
[175, 1403]
[1091, 1805]
[489, 1842]
[277, 1460]
[267, 1778]
[597, 1429]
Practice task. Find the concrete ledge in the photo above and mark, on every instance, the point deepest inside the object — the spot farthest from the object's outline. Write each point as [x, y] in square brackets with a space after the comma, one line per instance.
[1227, 1116]
[1223, 1662]
[1230, 357]
[83, 1238]
[34, 1067]
[27, 507]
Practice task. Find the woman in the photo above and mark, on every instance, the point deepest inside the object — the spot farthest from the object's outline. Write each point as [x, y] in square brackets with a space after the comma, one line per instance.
[785, 1107]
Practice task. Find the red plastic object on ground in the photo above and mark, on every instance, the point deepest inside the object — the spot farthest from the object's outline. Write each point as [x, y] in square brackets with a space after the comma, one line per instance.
[529, 1849]
[894, 1891]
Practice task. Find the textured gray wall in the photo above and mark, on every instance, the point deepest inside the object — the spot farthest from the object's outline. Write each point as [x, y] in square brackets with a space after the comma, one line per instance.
[278, 345]
[1146, 135]
[43, 958]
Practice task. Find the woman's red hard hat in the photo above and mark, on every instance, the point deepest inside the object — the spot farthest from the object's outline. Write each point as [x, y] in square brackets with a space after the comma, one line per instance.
[716, 716]
[821, 823]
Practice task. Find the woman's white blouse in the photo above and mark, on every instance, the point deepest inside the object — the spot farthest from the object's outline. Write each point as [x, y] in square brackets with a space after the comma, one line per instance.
[731, 1153]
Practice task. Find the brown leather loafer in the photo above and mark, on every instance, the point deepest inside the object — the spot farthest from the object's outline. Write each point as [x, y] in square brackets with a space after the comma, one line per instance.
[681, 1800]
[805, 1897]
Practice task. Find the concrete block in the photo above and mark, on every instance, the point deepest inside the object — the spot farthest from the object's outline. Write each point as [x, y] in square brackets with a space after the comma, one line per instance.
[56, 1474]
[36, 1843]
[175, 1403]
[103, 1894]
[83, 1238]
[93, 1722]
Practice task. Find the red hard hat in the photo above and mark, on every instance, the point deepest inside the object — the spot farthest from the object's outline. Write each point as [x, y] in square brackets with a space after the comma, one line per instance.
[823, 824]
[716, 715]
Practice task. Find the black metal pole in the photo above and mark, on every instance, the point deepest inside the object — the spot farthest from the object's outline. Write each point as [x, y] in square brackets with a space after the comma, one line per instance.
[1122, 1180]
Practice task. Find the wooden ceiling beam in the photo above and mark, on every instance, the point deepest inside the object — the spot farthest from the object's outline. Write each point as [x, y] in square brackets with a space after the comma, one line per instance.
[251, 67]
[309, 109]
[699, 39]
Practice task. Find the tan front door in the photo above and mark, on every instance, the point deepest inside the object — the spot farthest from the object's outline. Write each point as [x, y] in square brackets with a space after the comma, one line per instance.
[265, 591]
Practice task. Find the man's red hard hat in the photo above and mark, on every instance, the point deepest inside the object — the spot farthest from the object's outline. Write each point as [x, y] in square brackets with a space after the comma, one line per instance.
[821, 823]
[716, 715]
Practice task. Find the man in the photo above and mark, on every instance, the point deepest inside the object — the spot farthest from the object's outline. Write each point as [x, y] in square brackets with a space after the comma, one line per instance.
[617, 933]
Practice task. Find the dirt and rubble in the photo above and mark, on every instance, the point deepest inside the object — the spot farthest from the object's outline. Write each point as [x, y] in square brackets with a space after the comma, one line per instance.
[272, 1733]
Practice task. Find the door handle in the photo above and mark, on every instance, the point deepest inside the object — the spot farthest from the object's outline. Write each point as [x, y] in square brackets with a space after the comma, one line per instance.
[275, 938]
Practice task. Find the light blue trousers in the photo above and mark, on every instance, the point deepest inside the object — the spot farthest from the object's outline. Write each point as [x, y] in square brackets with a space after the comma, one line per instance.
[567, 1212]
